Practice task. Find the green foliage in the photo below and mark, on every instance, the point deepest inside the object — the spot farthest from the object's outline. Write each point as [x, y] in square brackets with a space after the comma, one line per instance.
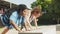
[33, 4]
[52, 8]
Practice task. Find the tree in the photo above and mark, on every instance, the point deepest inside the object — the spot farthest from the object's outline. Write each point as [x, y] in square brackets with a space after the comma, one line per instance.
[56, 4]
[52, 8]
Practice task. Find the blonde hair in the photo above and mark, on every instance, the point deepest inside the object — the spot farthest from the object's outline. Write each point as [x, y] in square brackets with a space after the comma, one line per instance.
[36, 9]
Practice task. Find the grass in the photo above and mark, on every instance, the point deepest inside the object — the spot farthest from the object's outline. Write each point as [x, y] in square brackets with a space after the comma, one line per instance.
[0, 29]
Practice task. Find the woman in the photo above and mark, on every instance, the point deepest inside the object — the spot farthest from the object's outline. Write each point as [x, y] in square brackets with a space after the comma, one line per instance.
[16, 17]
[35, 13]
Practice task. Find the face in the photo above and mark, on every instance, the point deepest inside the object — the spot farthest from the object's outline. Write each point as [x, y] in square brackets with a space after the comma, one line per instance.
[37, 13]
[1, 11]
[25, 12]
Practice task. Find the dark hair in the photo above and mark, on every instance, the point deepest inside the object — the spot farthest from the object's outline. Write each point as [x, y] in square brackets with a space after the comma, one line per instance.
[1, 7]
[21, 8]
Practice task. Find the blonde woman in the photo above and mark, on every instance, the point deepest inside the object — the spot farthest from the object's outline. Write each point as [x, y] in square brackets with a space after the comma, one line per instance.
[32, 16]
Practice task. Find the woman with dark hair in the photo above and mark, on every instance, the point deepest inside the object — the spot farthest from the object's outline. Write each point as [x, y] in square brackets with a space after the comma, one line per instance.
[16, 17]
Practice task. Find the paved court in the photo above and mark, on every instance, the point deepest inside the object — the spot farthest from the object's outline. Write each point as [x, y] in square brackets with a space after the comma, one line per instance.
[48, 29]
[58, 29]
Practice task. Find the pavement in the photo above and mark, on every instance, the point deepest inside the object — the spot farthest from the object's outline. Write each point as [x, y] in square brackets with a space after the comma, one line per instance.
[45, 29]
[58, 29]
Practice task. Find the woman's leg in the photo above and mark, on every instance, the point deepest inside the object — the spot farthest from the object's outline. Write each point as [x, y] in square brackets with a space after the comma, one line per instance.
[5, 30]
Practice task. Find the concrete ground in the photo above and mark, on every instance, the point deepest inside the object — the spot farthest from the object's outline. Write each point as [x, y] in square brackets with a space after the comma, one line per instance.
[58, 29]
[46, 29]
[57, 32]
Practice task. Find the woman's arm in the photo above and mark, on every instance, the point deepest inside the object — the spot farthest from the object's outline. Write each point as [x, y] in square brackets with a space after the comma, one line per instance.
[35, 22]
[14, 25]
[27, 19]
[13, 19]
[29, 24]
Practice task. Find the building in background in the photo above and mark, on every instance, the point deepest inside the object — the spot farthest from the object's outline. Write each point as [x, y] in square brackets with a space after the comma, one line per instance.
[6, 5]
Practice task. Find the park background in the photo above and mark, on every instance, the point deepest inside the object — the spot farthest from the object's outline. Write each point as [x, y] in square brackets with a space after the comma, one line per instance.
[50, 9]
